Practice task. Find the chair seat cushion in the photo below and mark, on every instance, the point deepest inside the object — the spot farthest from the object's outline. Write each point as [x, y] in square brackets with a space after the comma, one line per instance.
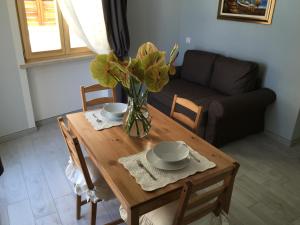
[101, 190]
[161, 216]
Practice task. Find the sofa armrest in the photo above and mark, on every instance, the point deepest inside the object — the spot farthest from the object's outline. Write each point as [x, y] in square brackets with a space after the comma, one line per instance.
[178, 73]
[234, 117]
[246, 103]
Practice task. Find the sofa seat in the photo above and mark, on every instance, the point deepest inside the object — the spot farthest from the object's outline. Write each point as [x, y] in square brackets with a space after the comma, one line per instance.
[199, 94]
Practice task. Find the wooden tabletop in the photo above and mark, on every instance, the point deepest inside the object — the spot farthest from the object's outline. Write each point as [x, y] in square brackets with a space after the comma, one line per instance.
[107, 146]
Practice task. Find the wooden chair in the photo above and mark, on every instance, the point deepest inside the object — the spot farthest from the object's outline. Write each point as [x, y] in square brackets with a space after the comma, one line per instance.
[198, 198]
[97, 101]
[89, 172]
[193, 124]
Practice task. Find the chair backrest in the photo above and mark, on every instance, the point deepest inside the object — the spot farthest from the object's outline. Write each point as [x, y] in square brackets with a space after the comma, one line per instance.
[96, 101]
[193, 124]
[75, 152]
[204, 196]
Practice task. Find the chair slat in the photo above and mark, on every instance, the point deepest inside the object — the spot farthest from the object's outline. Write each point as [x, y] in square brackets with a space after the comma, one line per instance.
[200, 213]
[193, 124]
[206, 197]
[99, 101]
[94, 88]
[202, 184]
[184, 119]
[187, 104]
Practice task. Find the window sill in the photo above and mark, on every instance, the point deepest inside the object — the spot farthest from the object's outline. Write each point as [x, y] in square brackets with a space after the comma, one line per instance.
[58, 60]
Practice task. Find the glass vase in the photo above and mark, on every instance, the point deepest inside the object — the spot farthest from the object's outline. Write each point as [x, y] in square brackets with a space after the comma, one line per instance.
[137, 120]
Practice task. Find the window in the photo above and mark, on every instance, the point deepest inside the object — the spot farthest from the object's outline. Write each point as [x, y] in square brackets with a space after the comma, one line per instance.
[45, 34]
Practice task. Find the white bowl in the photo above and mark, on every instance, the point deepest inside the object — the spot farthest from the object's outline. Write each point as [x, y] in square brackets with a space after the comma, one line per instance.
[159, 164]
[115, 109]
[170, 152]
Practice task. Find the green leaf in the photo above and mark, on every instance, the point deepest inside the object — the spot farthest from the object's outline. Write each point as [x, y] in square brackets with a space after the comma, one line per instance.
[157, 58]
[121, 72]
[172, 70]
[100, 69]
[136, 69]
[146, 49]
[157, 77]
[174, 54]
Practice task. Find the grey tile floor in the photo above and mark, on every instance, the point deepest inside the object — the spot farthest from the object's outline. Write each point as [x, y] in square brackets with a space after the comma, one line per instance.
[34, 190]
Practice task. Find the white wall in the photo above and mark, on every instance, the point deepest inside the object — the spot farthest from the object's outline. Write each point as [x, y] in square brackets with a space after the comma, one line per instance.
[13, 116]
[156, 21]
[55, 88]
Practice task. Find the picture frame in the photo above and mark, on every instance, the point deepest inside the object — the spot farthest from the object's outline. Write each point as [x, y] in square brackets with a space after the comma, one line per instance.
[253, 11]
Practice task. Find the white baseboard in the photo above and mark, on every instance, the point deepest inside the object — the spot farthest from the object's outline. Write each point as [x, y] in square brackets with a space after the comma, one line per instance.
[16, 135]
[39, 123]
[281, 139]
[53, 119]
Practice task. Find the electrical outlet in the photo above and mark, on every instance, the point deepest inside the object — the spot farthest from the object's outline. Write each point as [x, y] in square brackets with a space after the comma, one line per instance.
[188, 40]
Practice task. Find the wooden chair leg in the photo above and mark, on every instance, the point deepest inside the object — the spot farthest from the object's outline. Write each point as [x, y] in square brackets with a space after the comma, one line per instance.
[93, 213]
[78, 207]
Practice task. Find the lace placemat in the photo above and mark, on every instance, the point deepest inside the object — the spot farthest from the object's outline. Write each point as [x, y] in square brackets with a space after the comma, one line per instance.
[99, 122]
[163, 177]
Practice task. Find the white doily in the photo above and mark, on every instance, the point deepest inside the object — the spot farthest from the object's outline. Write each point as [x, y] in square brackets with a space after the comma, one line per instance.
[163, 177]
[93, 116]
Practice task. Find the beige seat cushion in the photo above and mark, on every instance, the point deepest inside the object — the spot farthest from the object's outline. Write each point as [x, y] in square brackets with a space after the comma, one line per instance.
[75, 175]
[161, 216]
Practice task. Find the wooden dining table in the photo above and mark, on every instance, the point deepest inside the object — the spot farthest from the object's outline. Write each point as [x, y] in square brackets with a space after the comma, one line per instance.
[105, 147]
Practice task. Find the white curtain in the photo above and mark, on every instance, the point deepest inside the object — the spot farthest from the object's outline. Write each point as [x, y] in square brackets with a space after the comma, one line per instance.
[85, 18]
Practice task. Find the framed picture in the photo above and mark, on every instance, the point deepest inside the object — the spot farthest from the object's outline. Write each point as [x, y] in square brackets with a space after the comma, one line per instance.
[256, 11]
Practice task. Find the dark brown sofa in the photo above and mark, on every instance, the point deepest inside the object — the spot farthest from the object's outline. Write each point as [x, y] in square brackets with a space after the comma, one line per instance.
[227, 88]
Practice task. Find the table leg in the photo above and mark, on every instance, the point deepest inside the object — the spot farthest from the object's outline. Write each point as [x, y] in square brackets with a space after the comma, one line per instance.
[133, 217]
[230, 188]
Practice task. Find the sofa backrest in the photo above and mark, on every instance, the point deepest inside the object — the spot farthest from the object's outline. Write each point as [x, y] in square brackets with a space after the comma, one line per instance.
[232, 76]
[198, 66]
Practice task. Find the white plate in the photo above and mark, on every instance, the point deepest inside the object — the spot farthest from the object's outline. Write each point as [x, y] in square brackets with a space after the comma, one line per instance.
[159, 164]
[115, 109]
[171, 151]
[109, 116]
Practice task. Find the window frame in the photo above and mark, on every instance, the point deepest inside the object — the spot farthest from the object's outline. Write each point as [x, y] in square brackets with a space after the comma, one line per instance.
[65, 51]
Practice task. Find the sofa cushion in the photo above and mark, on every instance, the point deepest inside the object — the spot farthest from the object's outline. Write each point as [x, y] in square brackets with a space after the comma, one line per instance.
[199, 94]
[197, 66]
[232, 76]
